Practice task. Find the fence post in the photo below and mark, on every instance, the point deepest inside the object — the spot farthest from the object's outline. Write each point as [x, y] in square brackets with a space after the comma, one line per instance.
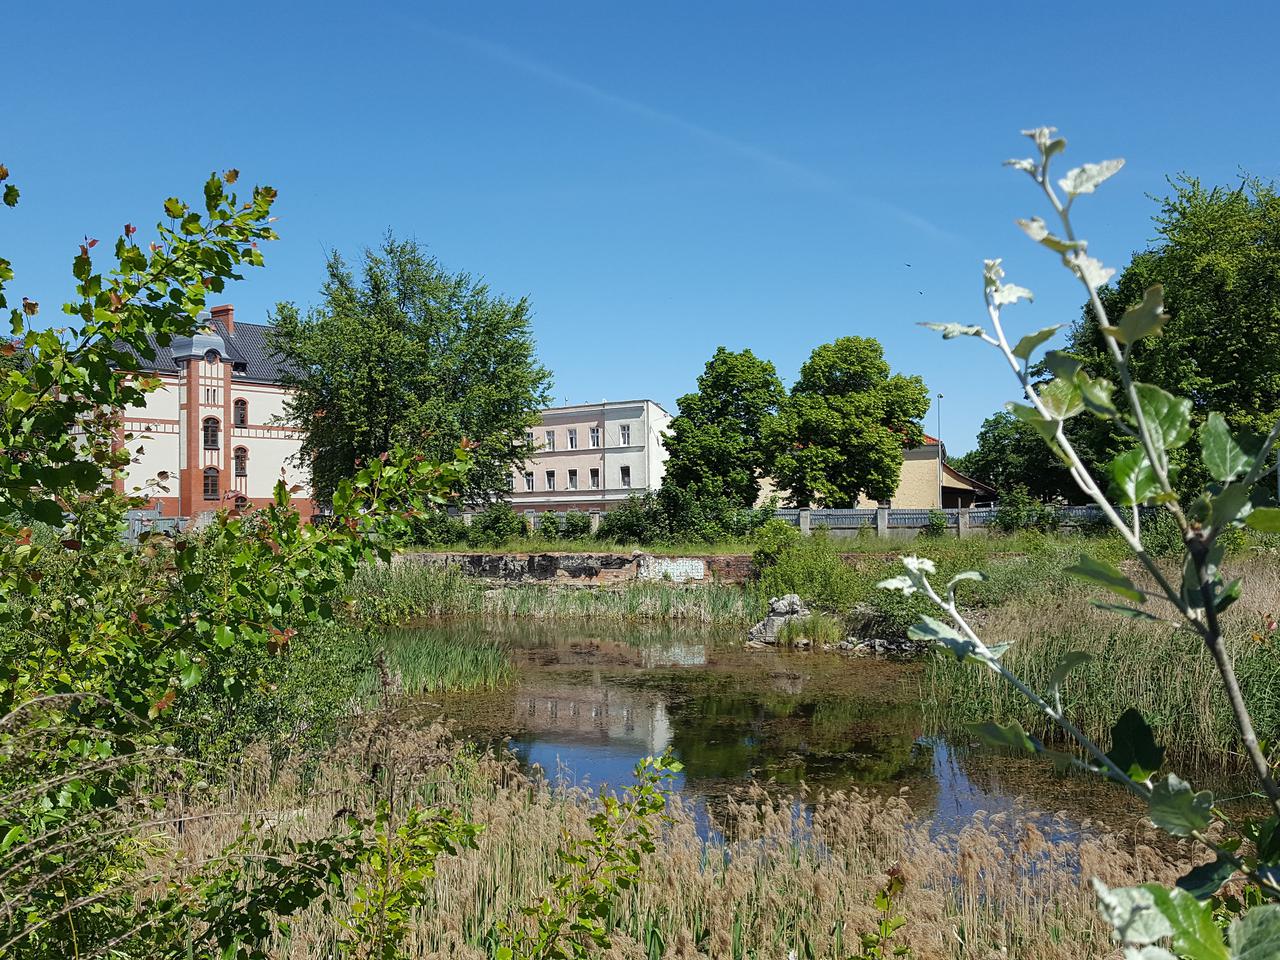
[804, 521]
[595, 520]
[882, 519]
[962, 522]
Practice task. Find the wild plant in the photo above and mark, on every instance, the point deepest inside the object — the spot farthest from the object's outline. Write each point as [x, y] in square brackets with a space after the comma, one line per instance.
[1148, 920]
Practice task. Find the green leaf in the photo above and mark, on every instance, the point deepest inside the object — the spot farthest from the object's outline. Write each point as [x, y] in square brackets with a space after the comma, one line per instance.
[1256, 935]
[1008, 737]
[1177, 809]
[1228, 595]
[1062, 399]
[1096, 393]
[935, 631]
[965, 575]
[11, 196]
[1063, 364]
[1204, 881]
[190, 675]
[1266, 519]
[1223, 456]
[1095, 571]
[1027, 345]
[1145, 319]
[1086, 177]
[1225, 508]
[1132, 479]
[1195, 935]
[1133, 746]
[1132, 913]
[950, 331]
[1130, 612]
[1168, 417]
[1047, 429]
[1066, 663]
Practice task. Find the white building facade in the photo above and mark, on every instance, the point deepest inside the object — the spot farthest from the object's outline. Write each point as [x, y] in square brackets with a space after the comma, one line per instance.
[215, 427]
[592, 456]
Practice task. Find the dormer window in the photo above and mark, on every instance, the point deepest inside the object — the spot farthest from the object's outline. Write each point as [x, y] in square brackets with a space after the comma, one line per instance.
[211, 356]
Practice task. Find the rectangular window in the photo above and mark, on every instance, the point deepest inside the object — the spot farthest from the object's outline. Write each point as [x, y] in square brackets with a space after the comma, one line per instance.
[573, 479]
[573, 439]
[528, 480]
[595, 437]
[528, 437]
[210, 483]
[626, 434]
[626, 476]
[512, 483]
[595, 478]
[551, 440]
[551, 479]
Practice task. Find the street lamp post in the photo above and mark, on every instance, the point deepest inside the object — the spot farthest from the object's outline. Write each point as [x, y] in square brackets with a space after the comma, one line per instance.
[940, 504]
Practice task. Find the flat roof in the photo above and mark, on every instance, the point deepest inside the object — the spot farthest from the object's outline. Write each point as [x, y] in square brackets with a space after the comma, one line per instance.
[602, 404]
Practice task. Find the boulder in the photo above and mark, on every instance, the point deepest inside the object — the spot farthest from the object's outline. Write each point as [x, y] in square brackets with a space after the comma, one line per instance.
[782, 610]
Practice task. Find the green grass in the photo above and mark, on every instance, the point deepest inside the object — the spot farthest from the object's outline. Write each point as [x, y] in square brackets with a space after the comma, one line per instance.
[404, 593]
[817, 628]
[434, 660]
[536, 544]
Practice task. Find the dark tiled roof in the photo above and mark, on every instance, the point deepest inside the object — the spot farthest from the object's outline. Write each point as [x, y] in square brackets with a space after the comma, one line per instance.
[251, 356]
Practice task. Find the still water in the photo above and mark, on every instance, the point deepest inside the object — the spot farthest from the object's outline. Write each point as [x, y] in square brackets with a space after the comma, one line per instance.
[589, 701]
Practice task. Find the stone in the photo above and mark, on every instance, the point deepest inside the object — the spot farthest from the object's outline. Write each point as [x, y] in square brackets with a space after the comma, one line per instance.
[782, 610]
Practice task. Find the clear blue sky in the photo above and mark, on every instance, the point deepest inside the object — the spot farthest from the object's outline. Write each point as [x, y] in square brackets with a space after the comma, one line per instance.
[658, 178]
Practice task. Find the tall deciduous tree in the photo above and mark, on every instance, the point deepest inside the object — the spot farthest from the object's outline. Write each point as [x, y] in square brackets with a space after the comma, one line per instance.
[841, 433]
[1218, 260]
[717, 441]
[1010, 453]
[405, 352]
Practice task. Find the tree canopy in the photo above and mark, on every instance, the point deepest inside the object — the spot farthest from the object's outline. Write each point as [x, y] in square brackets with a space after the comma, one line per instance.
[403, 351]
[841, 433]
[717, 440]
[1218, 260]
[1010, 454]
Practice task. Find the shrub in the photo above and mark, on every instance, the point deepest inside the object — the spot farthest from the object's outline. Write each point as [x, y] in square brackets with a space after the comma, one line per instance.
[1018, 510]
[811, 567]
[549, 525]
[638, 519]
[774, 536]
[435, 528]
[577, 525]
[936, 525]
[495, 525]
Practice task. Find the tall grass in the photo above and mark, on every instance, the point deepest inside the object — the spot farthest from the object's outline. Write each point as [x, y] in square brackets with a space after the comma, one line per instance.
[401, 593]
[433, 660]
[776, 878]
[1166, 675]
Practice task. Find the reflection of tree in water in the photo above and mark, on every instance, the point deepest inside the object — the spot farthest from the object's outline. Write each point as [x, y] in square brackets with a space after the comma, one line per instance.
[834, 742]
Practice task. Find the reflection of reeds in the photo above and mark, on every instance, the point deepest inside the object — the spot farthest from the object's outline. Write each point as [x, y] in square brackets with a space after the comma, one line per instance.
[407, 592]
[1167, 676]
[785, 880]
[425, 660]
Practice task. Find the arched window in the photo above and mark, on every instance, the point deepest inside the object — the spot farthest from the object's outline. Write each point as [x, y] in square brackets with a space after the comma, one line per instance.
[211, 491]
[211, 427]
[241, 413]
[241, 458]
[242, 502]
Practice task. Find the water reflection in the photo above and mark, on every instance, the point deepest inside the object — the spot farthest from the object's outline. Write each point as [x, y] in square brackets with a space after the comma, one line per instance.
[590, 701]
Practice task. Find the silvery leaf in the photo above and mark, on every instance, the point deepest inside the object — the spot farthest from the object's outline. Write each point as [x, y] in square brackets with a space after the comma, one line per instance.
[1086, 177]
[904, 584]
[1007, 293]
[1026, 164]
[1037, 230]
[919, 564]
[1090, 269]
[950, 331]
[992, 273]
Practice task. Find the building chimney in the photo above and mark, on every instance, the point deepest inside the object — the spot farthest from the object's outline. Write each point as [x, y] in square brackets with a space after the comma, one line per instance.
[226, 315]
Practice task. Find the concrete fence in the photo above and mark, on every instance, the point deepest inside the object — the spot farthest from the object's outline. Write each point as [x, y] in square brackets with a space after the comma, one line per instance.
[906, 523]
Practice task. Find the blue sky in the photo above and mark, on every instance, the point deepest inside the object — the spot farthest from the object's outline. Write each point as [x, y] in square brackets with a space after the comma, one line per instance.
[659, 178]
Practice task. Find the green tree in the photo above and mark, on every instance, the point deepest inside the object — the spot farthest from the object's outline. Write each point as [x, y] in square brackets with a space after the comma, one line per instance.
[1010, 454]
[841, 433]
[718, 437]
[406, 352]
[1218, 260]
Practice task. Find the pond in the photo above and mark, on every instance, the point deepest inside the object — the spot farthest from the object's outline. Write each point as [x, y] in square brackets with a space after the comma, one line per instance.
[590, 700]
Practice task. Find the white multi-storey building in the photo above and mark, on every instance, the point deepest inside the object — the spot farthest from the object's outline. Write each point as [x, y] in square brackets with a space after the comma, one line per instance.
[592, 456]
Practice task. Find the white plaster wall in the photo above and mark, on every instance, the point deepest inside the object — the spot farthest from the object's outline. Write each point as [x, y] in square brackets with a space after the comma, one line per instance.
[159, 452]
[266, 403]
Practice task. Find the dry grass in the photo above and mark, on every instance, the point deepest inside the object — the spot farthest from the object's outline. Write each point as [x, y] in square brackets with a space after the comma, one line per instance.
[785, 880]
[1165, 674]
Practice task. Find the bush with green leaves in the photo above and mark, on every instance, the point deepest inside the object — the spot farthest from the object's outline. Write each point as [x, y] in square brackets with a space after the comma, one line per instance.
[1151, 922]
[1018, 510]
[496, 525]
[936, 525]
[576, 525]
[105, 646]
[549, 525]
[437, 528]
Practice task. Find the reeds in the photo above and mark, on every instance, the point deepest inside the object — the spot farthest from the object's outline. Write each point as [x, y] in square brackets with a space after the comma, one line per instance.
[1166, 674]
[403, 593]
[777, 877]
